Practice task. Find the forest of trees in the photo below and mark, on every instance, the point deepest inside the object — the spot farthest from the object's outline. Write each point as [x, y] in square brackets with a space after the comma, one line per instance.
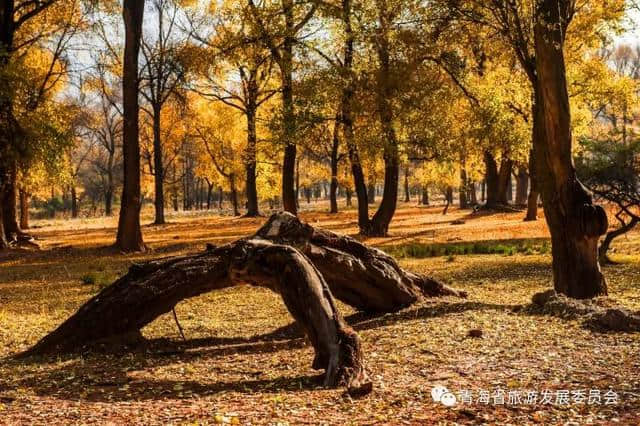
[183, 105]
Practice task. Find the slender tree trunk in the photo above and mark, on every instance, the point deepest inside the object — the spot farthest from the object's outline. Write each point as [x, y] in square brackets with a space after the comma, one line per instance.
[234, 194]
[250, 153]
[611, 235]
[74, 202]
[532, 199]
[407, 191]
[371, 190]
[24, 209]
[129, 238]
[522, 186]
[335, 146]
[220, 198]
[574, 221]
[348, 93]
[464, 202]
[158, 166]
[289, 199]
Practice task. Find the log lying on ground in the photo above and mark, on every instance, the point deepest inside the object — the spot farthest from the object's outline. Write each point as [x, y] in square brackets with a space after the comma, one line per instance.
[305, 265]
[361, 276]
[154, 288]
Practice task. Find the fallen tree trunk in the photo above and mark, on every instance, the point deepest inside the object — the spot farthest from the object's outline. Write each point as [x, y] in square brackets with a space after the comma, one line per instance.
[154, 288]
[361, 276]
[305, 265]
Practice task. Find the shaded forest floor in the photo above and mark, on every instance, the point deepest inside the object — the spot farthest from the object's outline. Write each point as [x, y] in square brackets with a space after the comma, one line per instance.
[243, 361]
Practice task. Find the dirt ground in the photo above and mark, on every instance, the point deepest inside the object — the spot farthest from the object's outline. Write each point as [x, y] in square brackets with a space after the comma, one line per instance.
[245, 363]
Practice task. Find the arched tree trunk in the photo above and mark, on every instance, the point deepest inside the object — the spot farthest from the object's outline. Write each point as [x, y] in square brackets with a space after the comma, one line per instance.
[154, 288]
[129, 238]
[574, 221]
[304, 264]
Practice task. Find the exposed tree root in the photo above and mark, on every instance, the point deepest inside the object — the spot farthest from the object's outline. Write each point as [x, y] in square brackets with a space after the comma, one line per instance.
[594, 315]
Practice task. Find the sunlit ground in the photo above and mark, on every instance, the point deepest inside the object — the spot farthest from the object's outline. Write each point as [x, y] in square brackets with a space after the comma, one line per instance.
[236, 369]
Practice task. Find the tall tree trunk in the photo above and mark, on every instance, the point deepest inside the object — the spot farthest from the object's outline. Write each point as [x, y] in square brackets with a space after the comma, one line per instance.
[464, 202]
[250, 161]
[9, 127]
[472, 193]
[574, 221]
[335, 146]
[407, 191]
[348, 93]
[108, 203]
[129, 238]
[289, 199]
[24, 209]
[532, 199]
[234, 194]
[522, 186]
[158, 166]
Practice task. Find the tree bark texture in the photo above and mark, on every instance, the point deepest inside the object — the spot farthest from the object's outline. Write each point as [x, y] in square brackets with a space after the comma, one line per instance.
[574, 221]
[305, 265]
[129, 237]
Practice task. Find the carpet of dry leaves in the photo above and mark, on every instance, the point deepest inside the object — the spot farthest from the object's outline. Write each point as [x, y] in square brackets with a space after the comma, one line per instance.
[245, 363]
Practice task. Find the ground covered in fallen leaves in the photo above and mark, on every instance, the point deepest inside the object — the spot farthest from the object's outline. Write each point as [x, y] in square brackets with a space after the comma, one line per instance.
[245, 363]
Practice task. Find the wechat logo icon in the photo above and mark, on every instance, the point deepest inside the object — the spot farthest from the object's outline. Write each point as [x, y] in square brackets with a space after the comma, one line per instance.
[441, 394]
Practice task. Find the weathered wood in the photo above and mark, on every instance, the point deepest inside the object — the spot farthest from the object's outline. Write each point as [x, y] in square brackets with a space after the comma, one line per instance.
[361, 276]
[154, 288]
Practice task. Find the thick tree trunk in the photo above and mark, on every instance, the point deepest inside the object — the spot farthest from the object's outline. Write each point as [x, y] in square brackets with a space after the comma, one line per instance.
[574, 221]
[425, 195]
[24, 209]
[158, 166]
[497, 180]
[9, 205]
[129, 238]
[472, 194]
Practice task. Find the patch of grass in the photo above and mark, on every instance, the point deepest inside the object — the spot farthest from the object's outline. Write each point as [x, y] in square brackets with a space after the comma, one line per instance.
[505, 248]
[99, 278]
